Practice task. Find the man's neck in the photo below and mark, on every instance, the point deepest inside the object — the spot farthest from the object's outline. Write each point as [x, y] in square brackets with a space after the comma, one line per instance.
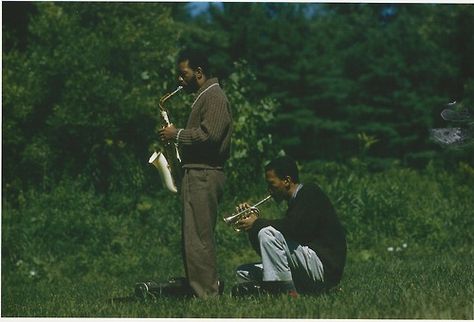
[202, 81]
[292, 190]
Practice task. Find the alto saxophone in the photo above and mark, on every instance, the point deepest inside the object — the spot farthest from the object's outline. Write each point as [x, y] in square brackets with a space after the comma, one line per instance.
[168, 161]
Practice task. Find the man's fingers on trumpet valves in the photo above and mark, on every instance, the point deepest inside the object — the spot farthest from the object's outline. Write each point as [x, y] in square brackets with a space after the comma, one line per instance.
[246, 210]
[242, 207]
[246, 220]
[245, 215]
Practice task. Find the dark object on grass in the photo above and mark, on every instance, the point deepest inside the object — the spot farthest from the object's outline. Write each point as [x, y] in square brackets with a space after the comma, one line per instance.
[174, 287]
[177, 287]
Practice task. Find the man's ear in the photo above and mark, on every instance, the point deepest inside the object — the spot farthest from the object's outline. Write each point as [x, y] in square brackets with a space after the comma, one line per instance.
[199, 72]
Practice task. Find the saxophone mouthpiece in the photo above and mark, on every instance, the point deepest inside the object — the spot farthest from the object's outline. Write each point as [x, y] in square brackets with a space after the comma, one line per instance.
[180, 87]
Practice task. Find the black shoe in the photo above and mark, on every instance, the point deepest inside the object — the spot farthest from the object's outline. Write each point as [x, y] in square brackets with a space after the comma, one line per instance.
[258, 289]
[247, 289]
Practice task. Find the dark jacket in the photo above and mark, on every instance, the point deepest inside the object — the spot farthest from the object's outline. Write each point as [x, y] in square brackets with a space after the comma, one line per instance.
[311, 221]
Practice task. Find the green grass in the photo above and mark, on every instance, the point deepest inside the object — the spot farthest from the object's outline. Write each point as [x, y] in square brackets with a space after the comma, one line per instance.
[399, 287]
[66, 251]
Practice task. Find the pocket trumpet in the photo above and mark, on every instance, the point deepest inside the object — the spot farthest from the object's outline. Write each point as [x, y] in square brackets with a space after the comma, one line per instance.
[236, 217]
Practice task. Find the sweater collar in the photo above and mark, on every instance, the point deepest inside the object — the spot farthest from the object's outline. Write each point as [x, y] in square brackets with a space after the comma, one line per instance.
[206, 85]
[293, 197]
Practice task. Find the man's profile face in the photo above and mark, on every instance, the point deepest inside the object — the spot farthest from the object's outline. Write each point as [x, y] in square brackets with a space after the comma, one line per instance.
[277, 187]
[187, 77]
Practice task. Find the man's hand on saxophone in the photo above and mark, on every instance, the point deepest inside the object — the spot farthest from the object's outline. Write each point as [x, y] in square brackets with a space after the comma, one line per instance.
[168, 133]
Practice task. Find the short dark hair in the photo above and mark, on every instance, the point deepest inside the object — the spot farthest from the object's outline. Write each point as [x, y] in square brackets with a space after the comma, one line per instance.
[195, 59]
[283, 167]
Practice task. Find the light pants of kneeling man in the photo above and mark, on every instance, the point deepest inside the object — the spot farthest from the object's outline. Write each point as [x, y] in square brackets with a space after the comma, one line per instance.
[284, 260]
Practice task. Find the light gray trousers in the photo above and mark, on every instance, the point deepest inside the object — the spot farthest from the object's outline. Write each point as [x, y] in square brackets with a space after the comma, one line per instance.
[283, 260]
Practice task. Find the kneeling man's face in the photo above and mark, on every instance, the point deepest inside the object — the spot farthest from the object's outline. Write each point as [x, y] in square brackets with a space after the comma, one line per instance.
[277, 187]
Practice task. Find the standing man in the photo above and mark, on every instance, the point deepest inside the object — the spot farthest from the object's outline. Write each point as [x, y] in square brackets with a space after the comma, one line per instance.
[303, 252]
[204, 147]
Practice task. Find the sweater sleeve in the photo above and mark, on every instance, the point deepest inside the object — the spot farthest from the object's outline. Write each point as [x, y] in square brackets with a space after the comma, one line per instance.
[215, 120]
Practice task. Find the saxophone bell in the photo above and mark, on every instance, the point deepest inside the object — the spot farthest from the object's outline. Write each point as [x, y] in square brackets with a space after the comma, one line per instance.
[161, 164]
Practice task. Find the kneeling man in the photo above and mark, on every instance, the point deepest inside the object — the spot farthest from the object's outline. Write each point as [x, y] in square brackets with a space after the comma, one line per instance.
[303, 252]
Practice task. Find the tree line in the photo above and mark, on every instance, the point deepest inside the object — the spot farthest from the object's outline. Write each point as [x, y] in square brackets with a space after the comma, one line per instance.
[339, 70]
[81, 83]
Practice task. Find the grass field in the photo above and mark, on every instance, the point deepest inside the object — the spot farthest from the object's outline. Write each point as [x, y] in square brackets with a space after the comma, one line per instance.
[67, 251]
[398, 287]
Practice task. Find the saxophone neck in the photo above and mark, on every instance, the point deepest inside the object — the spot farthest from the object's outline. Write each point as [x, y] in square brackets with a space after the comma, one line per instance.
[165, 97]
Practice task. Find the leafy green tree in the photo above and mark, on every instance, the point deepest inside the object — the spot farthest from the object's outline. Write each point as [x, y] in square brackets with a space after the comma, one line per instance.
[252, 144]
[80, 99]
[339, 70]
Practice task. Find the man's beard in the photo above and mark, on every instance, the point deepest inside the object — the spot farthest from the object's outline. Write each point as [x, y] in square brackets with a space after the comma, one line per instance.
[192, 86]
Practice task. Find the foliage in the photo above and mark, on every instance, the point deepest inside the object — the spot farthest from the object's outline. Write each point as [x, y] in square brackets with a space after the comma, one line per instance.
[80, 92]
[342, 69]
[83, 211]
[251, 143]
[80, 98]
[397, 205]
[72, 232]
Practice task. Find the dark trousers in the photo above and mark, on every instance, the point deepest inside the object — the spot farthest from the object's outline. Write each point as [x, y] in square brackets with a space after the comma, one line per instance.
[201, 191]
